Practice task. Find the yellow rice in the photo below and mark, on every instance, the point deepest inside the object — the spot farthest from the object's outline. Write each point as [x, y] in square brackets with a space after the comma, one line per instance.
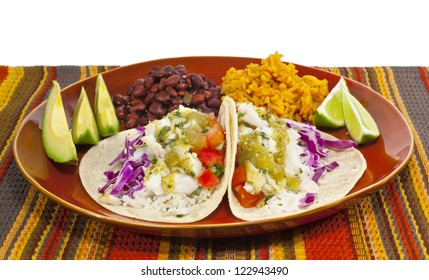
[276, 85]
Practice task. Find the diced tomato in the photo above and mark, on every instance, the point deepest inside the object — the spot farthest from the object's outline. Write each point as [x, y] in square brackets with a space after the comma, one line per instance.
[246, 199]
[239, 176]
[209, 156]
[208, 179]
[215, 135]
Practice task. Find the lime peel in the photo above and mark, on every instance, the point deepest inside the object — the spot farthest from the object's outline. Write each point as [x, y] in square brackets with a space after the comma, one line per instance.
[340, 108]
[330, 112]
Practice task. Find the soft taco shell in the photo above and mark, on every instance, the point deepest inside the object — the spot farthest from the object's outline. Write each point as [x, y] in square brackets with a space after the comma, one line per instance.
[96, 161]
[332, 185]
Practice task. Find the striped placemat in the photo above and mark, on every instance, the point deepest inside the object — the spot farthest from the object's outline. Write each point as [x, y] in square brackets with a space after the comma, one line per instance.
[392, 223]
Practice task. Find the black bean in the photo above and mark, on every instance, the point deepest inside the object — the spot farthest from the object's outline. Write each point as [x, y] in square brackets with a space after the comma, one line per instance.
[197, 99]
[157, 72]
[118, 99]
[172, 81]
[131, 123]
[171, 91]
[139, 82]
[207, 95]
[182, 86]
[162, 97]
[214, 103]
[121, 112]
[138, 108]
[177, 100]
[204, 108]
[172, 107]
[149, 97]
[148, 82]
[196, 80]
[139, 91]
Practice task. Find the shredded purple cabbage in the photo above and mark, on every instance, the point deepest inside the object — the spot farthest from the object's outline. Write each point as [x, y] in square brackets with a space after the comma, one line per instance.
[316, 148]
[129, 178]
[308, 199]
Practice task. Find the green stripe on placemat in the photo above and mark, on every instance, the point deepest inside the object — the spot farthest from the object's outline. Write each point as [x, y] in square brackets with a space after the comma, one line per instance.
[392, 223]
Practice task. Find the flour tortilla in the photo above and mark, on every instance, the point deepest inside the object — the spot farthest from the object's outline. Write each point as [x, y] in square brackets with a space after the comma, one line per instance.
[333, 185]
[96, 161]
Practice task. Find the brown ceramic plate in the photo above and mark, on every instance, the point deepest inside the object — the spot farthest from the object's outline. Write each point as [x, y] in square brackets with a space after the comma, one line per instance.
[385, 157]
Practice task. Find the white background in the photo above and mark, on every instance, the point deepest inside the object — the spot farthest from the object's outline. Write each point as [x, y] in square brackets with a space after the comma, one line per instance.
[313, 33]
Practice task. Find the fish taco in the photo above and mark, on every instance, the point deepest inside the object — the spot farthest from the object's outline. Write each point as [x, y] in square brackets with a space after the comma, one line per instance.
[283, 167]
[175, 169]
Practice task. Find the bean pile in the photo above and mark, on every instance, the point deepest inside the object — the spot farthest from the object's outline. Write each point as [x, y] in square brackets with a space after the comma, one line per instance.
[162, 91]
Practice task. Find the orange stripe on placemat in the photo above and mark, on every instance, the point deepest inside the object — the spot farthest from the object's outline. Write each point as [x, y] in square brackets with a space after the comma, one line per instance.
[425, 78]
[321, 235]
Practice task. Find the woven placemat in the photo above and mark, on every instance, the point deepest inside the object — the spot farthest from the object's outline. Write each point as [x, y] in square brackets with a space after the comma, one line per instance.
[392, 223]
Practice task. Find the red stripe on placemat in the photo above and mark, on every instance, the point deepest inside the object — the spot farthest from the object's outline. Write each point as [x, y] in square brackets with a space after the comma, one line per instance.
[404, 229]
[358, 76]
[4, 71]
[425, 78]
[53, 243]
[332, 238]
[127, 245]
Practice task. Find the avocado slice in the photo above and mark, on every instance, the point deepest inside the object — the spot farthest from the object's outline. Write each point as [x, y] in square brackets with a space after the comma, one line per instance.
[56, 136]
[107, 122]
[84, 127]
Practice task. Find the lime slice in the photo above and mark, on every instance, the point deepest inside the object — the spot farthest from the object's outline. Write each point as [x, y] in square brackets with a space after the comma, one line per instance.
[359, 123]
[330, 112]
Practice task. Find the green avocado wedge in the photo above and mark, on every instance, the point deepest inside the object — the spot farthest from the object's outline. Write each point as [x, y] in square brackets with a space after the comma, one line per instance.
[56, 136]
[84, 128]
[107, 122]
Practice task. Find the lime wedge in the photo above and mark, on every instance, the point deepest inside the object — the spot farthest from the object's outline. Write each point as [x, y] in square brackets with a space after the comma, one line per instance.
[330, 112]
[359, 123]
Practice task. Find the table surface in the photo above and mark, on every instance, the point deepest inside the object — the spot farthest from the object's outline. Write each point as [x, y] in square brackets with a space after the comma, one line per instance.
[392, 223]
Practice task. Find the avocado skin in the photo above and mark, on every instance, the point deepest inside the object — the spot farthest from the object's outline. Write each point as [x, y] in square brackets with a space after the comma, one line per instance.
[56, 136]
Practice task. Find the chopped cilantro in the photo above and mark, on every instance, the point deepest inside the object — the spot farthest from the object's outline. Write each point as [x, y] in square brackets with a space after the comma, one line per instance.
[218, 169]
[197, 192]
[162, 133]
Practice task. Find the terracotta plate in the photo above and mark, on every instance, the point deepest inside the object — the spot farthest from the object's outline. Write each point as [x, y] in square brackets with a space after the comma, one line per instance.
[385, 157]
